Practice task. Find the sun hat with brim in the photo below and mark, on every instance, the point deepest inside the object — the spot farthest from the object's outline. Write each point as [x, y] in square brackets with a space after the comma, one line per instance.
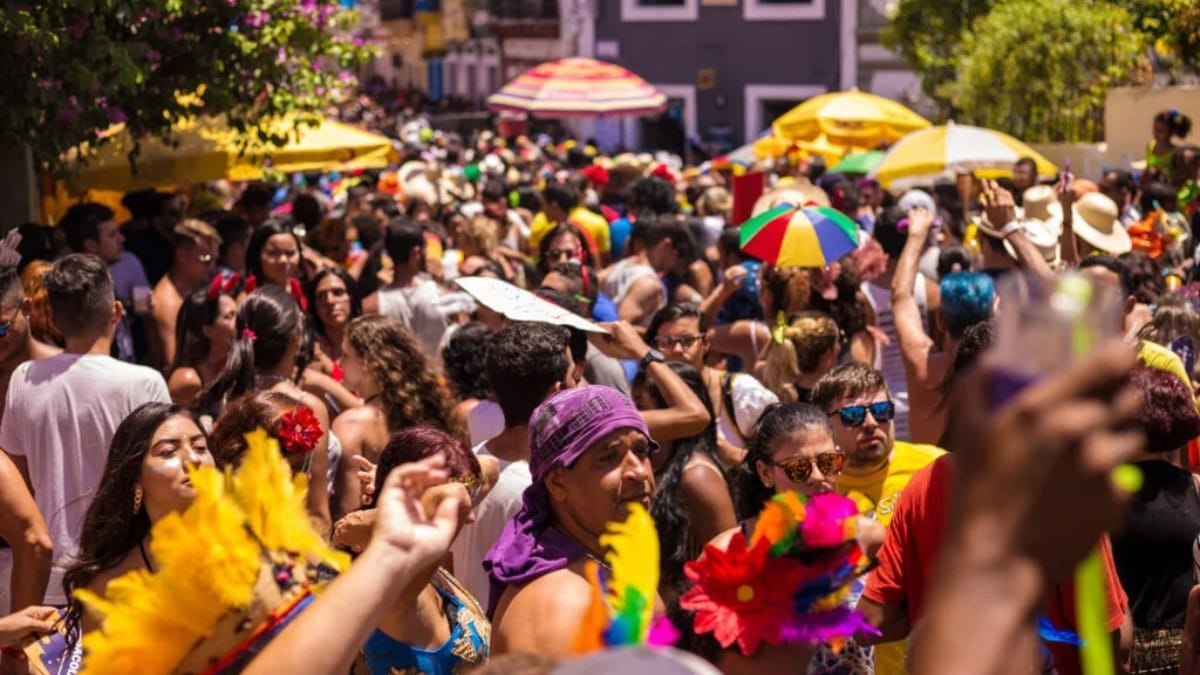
[1044, 236]
[1096, 220]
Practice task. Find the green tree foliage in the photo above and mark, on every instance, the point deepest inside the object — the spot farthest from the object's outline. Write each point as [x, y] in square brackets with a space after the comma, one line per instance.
[1173, 26]
[927, 35]
[72, 68]
[1040, 69]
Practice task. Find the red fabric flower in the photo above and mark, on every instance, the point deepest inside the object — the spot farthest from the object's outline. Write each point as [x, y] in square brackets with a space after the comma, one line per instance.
[299, 430]
[742, 595]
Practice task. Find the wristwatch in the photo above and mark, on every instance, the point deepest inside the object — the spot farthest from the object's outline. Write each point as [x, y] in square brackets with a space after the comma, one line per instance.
[652, 356]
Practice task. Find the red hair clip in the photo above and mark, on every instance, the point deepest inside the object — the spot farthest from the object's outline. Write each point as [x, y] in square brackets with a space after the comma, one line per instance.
[251, 284]
[299, 430]
[222, 284]
[248, 334]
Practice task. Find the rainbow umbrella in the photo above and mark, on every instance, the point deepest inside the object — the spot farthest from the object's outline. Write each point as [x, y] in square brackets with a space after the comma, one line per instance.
[794, 236]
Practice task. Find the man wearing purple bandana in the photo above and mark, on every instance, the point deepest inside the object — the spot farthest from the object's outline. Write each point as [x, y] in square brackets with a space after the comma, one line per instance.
[589, 457]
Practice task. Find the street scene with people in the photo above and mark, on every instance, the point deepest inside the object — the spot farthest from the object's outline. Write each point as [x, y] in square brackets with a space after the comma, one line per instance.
[600, 336]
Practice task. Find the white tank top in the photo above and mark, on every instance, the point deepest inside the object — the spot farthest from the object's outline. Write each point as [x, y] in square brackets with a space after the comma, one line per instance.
[888, 359]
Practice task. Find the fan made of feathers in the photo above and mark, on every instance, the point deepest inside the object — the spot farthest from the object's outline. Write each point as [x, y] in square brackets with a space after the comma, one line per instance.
[232, 570]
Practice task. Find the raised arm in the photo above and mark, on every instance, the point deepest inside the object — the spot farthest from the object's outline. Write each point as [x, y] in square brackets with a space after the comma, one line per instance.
[731, 282]
[684, 415]
[1002, 210]
[915, 343]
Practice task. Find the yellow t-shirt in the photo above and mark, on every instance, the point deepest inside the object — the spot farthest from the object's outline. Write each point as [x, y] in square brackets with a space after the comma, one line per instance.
[593, 223]
[876, 495]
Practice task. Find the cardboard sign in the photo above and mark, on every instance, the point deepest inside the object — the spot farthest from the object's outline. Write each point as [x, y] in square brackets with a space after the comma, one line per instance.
[519, 304]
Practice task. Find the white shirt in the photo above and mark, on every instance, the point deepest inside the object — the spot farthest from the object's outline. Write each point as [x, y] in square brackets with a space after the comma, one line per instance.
[485, 422]
[418, 308]
[61, 415]
[492, 513]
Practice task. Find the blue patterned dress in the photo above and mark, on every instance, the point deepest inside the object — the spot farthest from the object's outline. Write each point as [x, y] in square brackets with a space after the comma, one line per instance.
[467, 648]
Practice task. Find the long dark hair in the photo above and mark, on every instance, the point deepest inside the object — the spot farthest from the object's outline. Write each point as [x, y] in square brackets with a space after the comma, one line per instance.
[318, 327]
[749, 493]
[111, 528]
[191, 345]
[670, 517]
[269, 228]
[266, 322]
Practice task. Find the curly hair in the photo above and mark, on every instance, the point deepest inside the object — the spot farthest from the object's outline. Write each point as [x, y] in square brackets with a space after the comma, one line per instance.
[411, 394]
[1168, 413]
[465, 360]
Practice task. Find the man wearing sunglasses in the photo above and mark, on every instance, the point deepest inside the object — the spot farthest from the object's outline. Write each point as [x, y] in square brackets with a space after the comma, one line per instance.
[196, 247]
[877, 466]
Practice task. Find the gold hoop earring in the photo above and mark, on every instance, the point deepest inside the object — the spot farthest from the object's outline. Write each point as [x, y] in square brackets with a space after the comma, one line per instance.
[137, 499]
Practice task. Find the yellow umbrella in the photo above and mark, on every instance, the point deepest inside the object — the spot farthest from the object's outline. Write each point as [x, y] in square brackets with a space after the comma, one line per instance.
[849, 118]
[205, 149]
[825, 148]
[943, 152]
[770, 147]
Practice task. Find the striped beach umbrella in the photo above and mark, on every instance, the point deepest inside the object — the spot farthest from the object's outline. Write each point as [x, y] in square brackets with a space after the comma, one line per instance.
[578, 87]
[922, 157]
[794, 236]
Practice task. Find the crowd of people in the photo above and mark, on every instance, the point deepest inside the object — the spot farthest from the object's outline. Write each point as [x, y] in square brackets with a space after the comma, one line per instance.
[472, 463]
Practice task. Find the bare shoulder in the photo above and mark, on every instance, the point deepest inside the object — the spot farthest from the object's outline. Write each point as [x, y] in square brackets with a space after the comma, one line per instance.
[364, 422]
[543, 616]
[721, 541]
[184, 384]
[370, 304]
[702, 478]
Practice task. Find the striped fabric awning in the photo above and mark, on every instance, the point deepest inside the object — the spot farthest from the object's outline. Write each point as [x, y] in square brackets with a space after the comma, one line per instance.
[578, 87]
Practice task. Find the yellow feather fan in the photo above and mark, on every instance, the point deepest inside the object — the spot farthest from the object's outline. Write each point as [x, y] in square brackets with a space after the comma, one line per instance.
[214, 570]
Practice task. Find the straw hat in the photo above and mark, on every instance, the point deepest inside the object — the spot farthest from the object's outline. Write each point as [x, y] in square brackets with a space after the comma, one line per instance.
[1096, 220]
[1044, 236]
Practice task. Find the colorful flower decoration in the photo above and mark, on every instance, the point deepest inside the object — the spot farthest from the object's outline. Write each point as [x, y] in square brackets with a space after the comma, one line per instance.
[789, 585]
[299, 430]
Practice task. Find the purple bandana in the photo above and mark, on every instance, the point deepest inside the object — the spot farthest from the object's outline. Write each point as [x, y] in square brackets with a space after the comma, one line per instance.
[562, 428]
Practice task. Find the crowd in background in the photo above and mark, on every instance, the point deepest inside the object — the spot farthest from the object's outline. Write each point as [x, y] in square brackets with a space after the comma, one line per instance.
[131, 350]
